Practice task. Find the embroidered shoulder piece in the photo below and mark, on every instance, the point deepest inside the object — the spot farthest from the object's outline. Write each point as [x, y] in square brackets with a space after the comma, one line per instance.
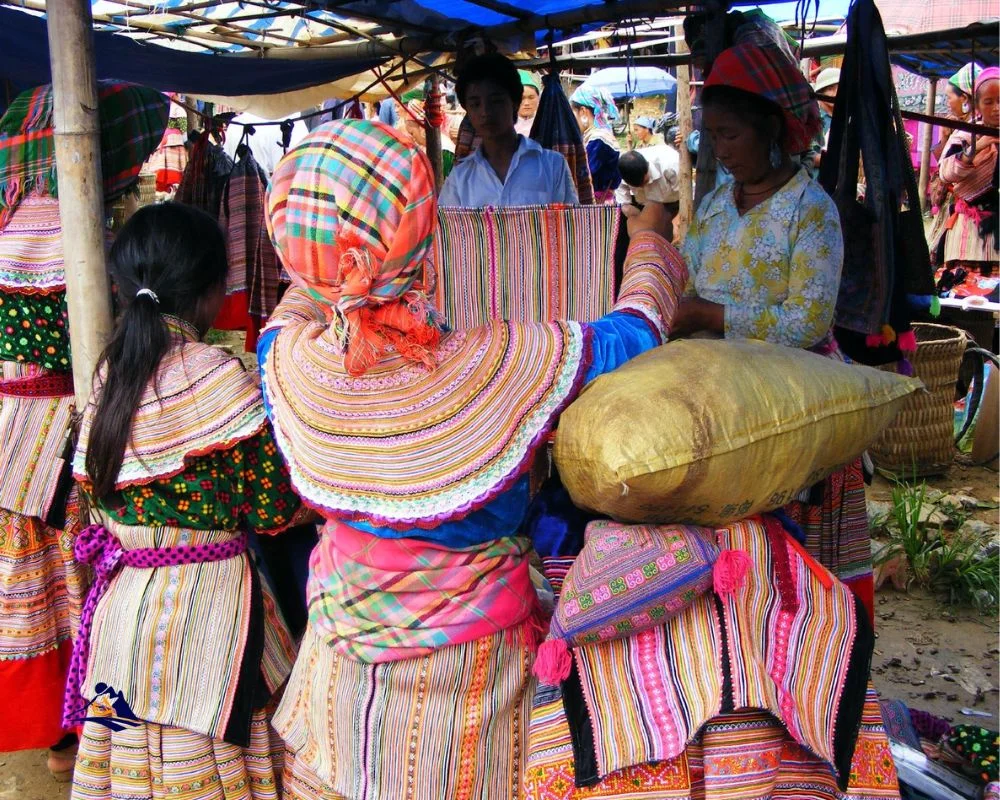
[406, 446]
[201, 400]
[31, 251]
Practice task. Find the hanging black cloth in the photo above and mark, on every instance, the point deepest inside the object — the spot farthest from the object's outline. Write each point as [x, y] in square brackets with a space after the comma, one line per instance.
[887, 275]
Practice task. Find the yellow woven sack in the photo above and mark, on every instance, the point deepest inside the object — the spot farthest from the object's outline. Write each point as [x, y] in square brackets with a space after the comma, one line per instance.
[705, 432]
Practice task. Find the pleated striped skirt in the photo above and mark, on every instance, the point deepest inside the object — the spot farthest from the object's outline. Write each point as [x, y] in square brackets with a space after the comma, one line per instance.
[449, 725]
[157, 762]
[746, 755]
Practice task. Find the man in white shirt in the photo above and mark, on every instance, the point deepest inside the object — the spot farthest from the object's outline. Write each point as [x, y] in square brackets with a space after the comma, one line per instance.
[507, 169]
[649, 175]
[265, 143]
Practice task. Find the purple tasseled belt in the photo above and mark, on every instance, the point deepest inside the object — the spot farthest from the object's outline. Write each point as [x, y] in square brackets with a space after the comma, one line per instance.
[97, 546]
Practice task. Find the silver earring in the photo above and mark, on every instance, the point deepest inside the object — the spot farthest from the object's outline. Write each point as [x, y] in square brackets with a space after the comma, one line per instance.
[774, 155]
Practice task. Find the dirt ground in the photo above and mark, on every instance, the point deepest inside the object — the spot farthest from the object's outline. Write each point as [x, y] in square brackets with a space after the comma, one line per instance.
[934, 657]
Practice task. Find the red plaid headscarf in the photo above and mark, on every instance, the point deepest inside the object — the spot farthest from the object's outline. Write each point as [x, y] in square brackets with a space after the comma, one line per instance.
[352, 214]
[767, 72]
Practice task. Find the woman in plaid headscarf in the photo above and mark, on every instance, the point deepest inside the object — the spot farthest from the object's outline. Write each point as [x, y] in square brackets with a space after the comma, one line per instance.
[414, 441]
[40, 585]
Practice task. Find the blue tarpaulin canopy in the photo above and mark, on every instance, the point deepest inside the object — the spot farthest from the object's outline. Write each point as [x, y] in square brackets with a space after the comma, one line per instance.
[625, 82]
[24, 61]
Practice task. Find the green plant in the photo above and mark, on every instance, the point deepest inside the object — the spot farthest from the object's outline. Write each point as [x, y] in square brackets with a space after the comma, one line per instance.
[962, 570]
[955, 564]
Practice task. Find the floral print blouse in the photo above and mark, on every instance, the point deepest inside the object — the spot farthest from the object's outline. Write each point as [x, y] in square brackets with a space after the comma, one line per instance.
[34, 329]
[776, 268]
[247, 484]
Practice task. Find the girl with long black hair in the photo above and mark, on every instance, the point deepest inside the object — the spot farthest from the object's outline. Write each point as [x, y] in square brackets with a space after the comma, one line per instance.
[177, 459]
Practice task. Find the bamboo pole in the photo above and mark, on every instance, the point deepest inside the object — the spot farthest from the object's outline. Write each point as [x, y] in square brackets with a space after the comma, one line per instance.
[925, 153]
[433, 132]
[686, 126]
[81, 195]
[715, 33]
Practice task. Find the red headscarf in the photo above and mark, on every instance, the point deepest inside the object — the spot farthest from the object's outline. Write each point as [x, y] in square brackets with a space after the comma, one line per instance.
[767, 72]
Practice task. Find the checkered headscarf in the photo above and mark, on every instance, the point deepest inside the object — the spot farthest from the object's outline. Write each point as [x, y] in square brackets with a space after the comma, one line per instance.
[133, 119]
[352, 213]
[764, 70]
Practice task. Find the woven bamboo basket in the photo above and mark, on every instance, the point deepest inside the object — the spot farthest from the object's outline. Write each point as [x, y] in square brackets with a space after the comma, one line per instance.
[920, 441]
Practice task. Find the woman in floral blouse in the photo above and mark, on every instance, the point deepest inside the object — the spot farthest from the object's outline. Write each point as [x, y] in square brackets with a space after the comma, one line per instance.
[765, 254]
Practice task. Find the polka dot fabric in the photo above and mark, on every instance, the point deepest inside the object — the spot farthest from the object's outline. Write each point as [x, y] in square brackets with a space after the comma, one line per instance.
[34, 329]
[219, 491]
[979, 748]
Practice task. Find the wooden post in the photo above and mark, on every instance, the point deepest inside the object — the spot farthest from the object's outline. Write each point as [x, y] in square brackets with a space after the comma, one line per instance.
[81, 192]
[432, 131]
[686, 126]
[715, 38]
[925, 152]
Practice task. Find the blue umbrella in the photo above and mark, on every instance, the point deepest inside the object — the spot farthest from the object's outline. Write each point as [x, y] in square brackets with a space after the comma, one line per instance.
[633, 81]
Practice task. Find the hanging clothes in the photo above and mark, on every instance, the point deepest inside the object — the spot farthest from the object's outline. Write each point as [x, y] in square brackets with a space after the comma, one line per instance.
[205, 176]
[556, 128]
[254, 272]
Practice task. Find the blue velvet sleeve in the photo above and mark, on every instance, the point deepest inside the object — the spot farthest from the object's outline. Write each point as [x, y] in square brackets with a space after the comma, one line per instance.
[617, 337]
[264, 345]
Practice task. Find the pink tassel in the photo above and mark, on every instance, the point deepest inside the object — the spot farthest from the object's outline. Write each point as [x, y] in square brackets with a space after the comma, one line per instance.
[906, 368]
[908, 342]
[730, 571]
[554, 662]
[873, 340]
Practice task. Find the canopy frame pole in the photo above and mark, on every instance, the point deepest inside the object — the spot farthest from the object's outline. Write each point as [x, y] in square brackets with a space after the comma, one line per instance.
[432, 105]
[925, 152]
[81, 192]
[715, 35]
[685, 120]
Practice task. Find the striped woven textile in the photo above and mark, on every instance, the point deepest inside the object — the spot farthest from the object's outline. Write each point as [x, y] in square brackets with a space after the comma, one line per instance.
[448, 725]
[34, 432]
[401, 444]
[837, 532]
[173, 640]
[736, 756]
[530, 264]
[180, 415]
[155, 762]
[31, 254]
[41, 593]
[791, 634]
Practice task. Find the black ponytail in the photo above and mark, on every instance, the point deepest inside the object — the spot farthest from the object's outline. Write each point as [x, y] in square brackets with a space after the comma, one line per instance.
[167, 259]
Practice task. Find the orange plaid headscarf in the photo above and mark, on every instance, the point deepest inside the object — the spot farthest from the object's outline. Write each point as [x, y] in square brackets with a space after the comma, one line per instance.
[352, 214]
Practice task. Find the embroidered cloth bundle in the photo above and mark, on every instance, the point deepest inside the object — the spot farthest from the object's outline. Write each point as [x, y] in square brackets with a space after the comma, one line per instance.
[526, 264]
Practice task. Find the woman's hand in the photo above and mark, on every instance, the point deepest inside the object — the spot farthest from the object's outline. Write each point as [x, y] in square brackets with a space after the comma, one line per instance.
[695, 315]
[653, 217]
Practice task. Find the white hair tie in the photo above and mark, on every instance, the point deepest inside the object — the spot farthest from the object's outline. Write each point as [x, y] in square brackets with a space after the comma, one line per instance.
[149, 293]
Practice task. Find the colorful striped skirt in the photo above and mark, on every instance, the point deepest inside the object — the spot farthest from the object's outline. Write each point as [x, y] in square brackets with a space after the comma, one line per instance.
[157, 762]
[449, 725]
[40, 599]
[837, 532]
[963, 244]
[746, 755]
